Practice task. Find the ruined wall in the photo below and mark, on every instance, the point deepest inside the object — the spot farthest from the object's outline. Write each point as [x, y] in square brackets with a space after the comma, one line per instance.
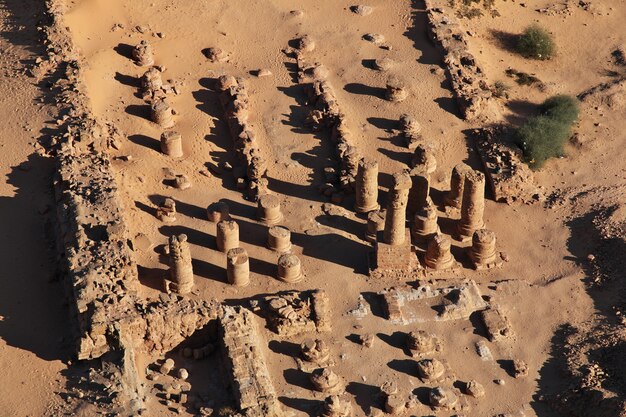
[248, 374]
[469, 84]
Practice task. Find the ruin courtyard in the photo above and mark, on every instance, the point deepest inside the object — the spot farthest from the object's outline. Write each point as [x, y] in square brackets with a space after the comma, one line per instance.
[312, 208]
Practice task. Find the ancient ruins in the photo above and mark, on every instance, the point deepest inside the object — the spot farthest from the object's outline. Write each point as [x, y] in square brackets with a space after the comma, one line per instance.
[310, 209]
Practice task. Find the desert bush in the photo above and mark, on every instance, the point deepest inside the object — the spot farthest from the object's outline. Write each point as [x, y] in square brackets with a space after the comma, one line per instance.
[500, 89]
[544, 136]
[536, 43]
[563, 108]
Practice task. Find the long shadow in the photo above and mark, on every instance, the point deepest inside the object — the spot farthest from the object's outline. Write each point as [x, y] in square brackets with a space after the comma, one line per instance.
[125, 50]
[403, 157]
[366, 396]
[152, 277]
[448, 104]
[32, 298]
[194, 237]
[375, 303]
[208, 103]
[310, 407]
[334, 248]
[383, 123]
[127, 80]
[505, 40]
[342, 223]
[396, 340]
[366, 90]
[146, 141]
[208, 270]
[139, 110]
[406, 366]
[418, 33]
[284, 347]
[298, 378]
[521, 110]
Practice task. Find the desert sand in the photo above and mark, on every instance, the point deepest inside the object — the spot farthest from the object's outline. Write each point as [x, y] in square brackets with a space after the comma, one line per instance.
[123, 294]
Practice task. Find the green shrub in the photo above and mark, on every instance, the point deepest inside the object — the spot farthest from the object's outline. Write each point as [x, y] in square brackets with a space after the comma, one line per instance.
[544, 136]
[563, 108]
[536, 43]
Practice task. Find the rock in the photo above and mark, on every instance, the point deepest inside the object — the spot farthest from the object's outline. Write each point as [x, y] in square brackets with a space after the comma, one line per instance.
[366, 340]
[474, 388]
[520, 368]
[442, 397]
[383, 64]
[183, 374]
[430, 369]
[182, 182]
[375, 38]
[263, 72]
[361, 10]
[215, 54]
[167, 366]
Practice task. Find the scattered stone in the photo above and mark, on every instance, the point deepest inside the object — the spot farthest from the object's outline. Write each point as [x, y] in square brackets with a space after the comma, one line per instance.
[483, 351]
[361, 10]
[215, 54]
[183, 374]
[366, 340]
[315, 351]
[326, 381]
[143, 55]
[474, 388]
[263, 72]
[442, 398]
[375, 38]
[335, 406]
[421, 343]
[499, 382]
[520, 368]
[396, 90]
[182, 182]
[430, 369]
[167, 366]
[166, 212]
[305, 44]
[384, 64]
[497, 325]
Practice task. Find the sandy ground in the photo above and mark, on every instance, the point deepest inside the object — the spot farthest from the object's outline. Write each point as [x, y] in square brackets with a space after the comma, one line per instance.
[33, 319]
[543, 287]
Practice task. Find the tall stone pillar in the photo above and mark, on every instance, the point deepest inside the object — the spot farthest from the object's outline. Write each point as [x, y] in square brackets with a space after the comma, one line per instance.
[227, 236]
[395, 221]
[181, 270]
[367, 186]
[455, 195]
[483, 250]
[473, 205]
[425, 223]
[420, 189]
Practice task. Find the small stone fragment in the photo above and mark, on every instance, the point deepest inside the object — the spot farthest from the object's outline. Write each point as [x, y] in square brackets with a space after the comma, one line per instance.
[474, 388]
[361, 10]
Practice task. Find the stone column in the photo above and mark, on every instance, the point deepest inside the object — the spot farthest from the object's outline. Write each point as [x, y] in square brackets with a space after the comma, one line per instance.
[142, 54]
[375, 224]
[396, 90]
[420, 189]
[172, 144]
[227, 236]
[151, 81]
[424, 156]
[425, 223]
[454, 197]
[268, 210]
[279, 239]
[181, 270]
[483, 250]
[161, 114]
[395, 220]
[367, 186]
[473, 204]
[438, 254]
[217, 212]
[289, 268]
[238, 267]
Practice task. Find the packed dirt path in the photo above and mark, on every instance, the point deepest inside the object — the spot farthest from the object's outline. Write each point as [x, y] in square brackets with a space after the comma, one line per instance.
[33, 320]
